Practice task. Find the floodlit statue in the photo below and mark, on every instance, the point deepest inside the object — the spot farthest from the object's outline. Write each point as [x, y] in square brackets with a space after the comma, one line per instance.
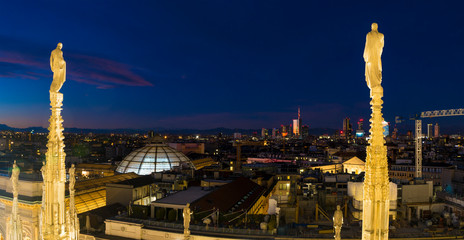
[372, 53]
[56, 222]
[338, 222]
[73, 221]
[186, 214]
[376, 186]
[72, 177]
[15, 231]
[14, 178]
[58, 66]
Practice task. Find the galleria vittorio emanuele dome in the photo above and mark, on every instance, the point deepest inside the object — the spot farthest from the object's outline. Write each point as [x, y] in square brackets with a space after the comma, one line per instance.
[154, 157]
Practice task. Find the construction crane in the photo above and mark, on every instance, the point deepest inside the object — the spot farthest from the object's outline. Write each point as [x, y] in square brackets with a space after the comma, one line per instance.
[418, 131]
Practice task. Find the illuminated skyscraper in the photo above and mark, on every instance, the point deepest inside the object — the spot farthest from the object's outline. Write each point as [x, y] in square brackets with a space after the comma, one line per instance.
[275, 131]
[437, 130]
[347, 128]
[360, 124]
[430, 130]
[284, 130]
[297, 125]
[304, 131]
[386, 128]
[296, 129]
[360, 130]
[264, 133]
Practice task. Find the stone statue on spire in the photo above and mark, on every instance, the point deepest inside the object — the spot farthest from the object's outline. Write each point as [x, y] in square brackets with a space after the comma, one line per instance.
[58, 66]
[56, 222]
[15, 231]
[372, 53]
[376, 186]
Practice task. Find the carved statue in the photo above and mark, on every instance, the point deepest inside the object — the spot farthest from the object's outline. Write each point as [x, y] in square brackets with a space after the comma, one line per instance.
[56, 222]
[14, 178]
[338, 222]
[58, 66]
[14, 226]
[372, 53]
[186, 214]
[72, 177]
[376, 182]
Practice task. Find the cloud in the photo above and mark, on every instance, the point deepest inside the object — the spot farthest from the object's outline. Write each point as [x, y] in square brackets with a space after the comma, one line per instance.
[104, 73]
[93, 70]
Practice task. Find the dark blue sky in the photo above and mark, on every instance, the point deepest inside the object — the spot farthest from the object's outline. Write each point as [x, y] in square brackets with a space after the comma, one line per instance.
[246, 64]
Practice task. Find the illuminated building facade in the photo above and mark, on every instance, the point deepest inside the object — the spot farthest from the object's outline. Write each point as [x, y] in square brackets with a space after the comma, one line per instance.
[430, 131]
[437, 131]
[275, 132]
[30, 194]
[297, 126]
[360, 131]
[347, 129]
[386, 128]
[264, 133]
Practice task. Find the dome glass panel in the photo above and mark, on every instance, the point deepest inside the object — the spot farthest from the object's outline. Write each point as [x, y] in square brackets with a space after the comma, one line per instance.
[152, 158]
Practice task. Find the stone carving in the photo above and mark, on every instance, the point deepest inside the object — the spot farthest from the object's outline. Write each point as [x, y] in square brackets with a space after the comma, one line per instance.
[56, 223]
[15, 230]
[186, 214]
[58, 66]
[72, 177]
[73, 221]
[376, 184]
[338, 222]
[372, 53]
[14, 179]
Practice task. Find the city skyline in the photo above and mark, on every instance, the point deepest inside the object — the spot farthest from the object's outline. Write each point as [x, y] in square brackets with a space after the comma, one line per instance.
[226, 64]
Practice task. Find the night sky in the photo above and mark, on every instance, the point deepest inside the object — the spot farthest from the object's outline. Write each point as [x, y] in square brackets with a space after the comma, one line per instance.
[244, 64]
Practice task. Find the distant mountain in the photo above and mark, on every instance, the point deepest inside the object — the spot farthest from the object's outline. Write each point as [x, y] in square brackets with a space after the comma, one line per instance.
[213, 131]
[4, 127]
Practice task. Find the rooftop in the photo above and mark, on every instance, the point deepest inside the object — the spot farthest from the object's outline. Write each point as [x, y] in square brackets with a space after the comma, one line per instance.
[137, 182]
[180, 199]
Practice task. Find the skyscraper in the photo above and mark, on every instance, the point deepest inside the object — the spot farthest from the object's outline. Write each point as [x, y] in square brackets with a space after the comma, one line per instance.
[430, 130]
[264, 133]
[437, 130]
[360, 130]
[347, 128]
[296, 129]
[274, 133]
[360, 124]
[297, 125]
[304, 131]
[386, 128]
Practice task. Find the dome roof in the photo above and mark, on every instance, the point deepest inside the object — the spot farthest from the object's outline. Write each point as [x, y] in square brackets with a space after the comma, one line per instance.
[152, 158]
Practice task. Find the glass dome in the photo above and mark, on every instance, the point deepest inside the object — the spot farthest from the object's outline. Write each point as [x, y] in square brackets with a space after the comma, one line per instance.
[152, 158]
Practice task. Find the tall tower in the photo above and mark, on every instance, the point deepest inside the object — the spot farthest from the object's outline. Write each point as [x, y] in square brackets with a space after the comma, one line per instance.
[430, 131]
[360, 130]
[297, 125]
[376, 187]
[347, 128]
[437, 130]
[56, 221]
